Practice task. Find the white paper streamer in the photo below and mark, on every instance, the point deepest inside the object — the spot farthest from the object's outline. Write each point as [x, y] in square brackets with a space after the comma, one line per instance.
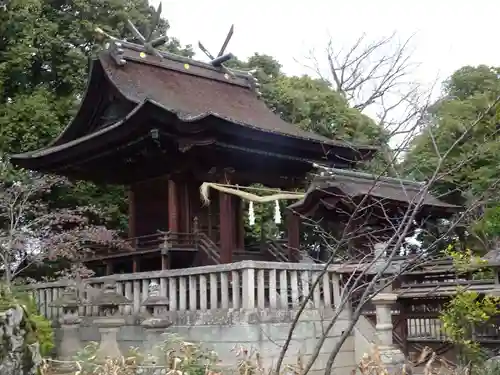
[251, 214]
[277, 213]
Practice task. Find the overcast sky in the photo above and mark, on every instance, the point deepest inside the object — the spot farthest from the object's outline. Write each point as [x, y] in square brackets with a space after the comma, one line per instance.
[448, 34]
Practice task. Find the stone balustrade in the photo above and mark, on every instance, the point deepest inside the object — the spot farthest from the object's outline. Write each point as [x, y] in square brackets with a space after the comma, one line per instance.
[244, 285]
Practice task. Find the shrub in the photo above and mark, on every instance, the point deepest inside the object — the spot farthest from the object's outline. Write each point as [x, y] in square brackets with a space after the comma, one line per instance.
[38, 328]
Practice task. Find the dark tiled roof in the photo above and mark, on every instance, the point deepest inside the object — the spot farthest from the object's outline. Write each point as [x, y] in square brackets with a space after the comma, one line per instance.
[182, 90]
[353, 184]
[199, 90]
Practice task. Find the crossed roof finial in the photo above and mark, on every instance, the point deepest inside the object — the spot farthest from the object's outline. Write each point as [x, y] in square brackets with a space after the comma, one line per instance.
[221, 57]
[148, 42]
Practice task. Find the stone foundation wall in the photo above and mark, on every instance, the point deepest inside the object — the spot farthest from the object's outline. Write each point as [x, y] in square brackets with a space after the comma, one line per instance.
[263, 330]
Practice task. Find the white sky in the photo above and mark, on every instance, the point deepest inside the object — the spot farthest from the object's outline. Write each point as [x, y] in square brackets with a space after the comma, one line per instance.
[449, 34]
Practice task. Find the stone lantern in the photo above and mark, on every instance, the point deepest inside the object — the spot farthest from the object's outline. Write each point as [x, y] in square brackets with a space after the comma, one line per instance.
[69, 302]
[157, 320]
[109, 321]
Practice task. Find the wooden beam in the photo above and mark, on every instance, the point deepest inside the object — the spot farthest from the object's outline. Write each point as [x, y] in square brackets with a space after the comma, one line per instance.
[173, 207]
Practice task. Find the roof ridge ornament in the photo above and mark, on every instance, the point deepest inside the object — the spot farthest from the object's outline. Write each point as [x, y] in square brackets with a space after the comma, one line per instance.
[221, 57]
[219, 60]
[149, 43]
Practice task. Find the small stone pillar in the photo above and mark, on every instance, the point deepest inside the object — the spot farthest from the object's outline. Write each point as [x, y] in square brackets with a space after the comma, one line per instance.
[70, 344]
[379, 249]
[156, 321]
[391, 356]
[109, 322]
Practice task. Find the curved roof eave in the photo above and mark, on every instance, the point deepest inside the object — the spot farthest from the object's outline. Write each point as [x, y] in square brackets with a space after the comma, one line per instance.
[89, 97]
[56, 148]
[146, 107]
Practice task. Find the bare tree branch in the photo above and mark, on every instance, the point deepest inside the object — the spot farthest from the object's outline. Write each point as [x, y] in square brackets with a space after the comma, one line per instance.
[32, 231]
[371, 273]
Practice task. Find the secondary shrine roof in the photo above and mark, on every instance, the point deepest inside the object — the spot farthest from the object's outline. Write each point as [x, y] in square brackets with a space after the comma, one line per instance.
[335, 185]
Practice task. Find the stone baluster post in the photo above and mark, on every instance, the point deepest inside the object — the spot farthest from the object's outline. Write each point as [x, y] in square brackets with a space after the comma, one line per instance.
[391, 356]
[70, 344]
[157, 320]
[109, 322]
[379, 249]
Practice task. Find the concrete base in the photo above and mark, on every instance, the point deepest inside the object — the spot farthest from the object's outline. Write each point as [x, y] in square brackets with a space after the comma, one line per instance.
[264, 331]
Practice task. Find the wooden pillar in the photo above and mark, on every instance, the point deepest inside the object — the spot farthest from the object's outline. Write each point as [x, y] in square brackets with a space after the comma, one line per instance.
[186, 208]
[131, 213]
[164, 262]
[226, 227]
[109, 268]
[293, 232]
[240, 219]
[131, 224]
[173, 207]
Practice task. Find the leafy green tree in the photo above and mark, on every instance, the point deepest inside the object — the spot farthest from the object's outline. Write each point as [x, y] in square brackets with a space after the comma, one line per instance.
[311, 103]
[44, 50]
[462, 125]
[462, 137]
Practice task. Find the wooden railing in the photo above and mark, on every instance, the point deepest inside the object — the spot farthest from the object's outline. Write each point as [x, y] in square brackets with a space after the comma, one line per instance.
[245, 285]
[422, 328]
[160, 241]
[277, 250]
[209, 247]
[170, 241]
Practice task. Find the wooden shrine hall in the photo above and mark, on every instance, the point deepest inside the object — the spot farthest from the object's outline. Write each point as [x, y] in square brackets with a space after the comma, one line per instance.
[162, 125]
[371, 207]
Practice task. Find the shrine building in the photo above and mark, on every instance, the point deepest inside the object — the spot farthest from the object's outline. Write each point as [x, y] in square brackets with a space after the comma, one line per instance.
[163, 126]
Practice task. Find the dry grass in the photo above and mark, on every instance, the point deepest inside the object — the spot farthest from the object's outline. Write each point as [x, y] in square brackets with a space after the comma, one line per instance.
[178, 357]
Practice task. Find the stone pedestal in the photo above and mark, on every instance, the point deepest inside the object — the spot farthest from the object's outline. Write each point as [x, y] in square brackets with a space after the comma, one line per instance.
[392, 357]
[108, 328]
[154, 329]
[70, 341]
